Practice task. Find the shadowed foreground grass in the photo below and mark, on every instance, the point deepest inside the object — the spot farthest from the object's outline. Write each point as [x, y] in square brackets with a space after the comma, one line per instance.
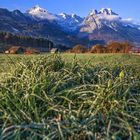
[66, 97]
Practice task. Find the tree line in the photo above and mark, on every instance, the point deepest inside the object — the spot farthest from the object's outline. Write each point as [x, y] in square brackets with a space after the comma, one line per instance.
[111, 47]
[7, 39]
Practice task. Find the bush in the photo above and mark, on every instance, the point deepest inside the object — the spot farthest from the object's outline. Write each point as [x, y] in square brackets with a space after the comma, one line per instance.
[79, 49]
[119, 47]
[98, 49]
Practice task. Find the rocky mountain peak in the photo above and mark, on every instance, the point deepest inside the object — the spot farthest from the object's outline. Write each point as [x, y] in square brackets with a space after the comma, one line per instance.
[37, 9]
[107, 11]
[103, 25]
[103, 11]
[40, 13]
[93, 12]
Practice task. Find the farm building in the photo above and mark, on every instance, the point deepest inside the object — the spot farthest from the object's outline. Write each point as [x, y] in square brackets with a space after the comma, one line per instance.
[54, 50]
[15, 50]
[20, 50]
[135, 50]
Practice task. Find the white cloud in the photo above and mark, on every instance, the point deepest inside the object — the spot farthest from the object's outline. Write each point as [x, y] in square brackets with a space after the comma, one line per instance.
[131, 21]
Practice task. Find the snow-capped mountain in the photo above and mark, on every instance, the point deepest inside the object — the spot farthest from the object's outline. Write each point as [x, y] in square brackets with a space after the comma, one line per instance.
[97, 20]
[70, 17]
[107, 25]
[69, 29]
[40, 13]
[107, 11]
[106, 17]
[68, 22]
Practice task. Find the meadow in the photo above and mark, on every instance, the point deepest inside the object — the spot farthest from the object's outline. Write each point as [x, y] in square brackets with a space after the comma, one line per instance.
[70, 97]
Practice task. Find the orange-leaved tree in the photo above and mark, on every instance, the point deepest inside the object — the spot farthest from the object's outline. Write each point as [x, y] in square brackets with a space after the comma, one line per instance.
[79, 49]
[98, 49]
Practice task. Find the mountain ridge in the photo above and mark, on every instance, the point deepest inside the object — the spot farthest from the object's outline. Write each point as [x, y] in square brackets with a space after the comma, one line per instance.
[69, 29]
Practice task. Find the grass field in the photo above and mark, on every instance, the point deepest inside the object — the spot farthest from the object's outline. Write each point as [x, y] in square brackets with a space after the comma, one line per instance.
[70, 97]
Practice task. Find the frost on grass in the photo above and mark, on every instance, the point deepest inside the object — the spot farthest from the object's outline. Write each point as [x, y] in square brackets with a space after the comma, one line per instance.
[50, 98]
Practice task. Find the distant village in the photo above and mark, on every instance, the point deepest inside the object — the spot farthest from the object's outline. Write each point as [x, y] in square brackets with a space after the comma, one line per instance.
[112, 47]
[23, 50]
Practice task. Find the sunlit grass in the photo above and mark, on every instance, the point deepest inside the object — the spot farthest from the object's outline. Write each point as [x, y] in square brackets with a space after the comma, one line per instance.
[70, 97]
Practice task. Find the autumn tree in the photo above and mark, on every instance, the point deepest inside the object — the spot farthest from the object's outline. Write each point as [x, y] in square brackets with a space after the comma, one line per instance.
[114, 47]
[98, 49]
[127, 47]
[119, 47]
[79, 49]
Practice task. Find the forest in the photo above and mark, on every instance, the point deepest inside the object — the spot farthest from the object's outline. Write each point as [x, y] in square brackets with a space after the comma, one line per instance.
[8, 39]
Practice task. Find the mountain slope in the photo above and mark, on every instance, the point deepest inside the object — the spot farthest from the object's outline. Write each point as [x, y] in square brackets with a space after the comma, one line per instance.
[68, 22]
[23, 24]
[107, 25]
[69, 29]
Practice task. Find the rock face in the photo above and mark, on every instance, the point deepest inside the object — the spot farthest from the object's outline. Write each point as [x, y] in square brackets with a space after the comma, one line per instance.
[24, 24]
[107, 25]
[69, 29]
[39, 13]
[68, 22]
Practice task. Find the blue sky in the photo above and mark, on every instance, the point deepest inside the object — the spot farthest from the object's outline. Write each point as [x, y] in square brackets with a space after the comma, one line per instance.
[125, 8]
